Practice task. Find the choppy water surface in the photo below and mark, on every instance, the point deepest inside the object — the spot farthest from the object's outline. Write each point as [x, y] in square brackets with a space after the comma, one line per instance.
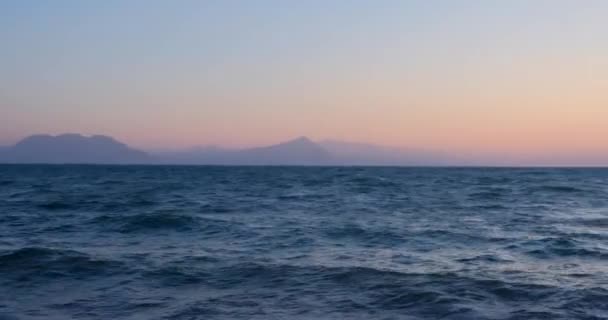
[96, 242]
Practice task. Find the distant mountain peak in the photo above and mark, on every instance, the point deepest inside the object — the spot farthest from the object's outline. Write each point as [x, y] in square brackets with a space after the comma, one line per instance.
[72, 148]
[34, 139]
[299, 140]
[300, 150]
[302, 138]
[102, 137]
[70, 135]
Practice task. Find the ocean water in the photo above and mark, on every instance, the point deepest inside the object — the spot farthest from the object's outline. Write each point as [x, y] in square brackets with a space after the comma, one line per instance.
[162, 242]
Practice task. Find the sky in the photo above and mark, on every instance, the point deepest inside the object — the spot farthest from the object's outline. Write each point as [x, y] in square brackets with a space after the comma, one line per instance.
[521, 78]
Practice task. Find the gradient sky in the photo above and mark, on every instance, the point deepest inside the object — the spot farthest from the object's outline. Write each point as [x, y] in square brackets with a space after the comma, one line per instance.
[518, 77]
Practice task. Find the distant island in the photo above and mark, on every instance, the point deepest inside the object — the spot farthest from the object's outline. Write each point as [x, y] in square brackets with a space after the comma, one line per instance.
[72, 148]
[99, 149]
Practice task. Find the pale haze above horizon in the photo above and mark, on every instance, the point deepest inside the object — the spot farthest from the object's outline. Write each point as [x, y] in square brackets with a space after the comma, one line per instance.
[520, 78]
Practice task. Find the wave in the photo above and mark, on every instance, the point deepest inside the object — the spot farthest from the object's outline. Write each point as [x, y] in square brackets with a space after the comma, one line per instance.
[487, 195]
[561, 247]
[380, 289]
[370, 292]
[156, 220]
[304, 196]
[557, 189]
[596, 222]
[189, 270]
[167, 220]
[364, 234]
[491, 207]
[497, 180]
[7, 182]
[209, 208]
[491, 258]
[125, 205]
[57, 205]
[110, 182]
[48, 263]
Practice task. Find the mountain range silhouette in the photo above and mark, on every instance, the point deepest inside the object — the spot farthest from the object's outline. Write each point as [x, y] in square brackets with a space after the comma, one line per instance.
[72, 148]
[99, 149]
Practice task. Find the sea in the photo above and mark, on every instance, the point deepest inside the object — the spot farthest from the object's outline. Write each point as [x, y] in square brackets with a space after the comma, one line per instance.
[213, 242]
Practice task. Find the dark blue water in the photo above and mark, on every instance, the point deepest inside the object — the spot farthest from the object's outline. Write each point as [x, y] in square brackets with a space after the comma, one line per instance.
[97, 242]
